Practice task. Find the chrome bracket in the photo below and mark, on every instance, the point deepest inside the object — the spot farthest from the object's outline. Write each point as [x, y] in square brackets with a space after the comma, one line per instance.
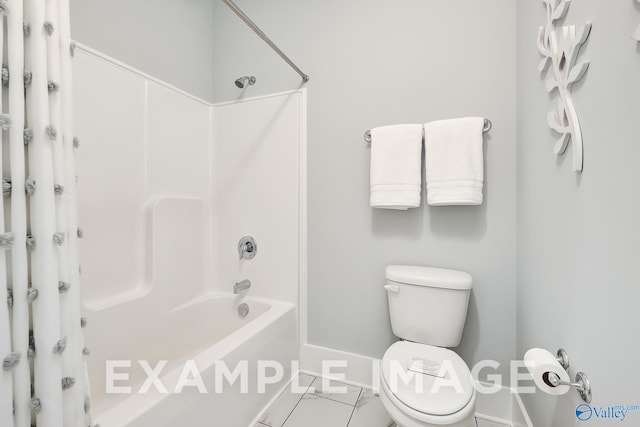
[563, 358]
[584, 388]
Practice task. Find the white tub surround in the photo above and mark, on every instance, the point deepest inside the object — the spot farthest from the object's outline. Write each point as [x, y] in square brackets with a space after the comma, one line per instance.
[212, 171]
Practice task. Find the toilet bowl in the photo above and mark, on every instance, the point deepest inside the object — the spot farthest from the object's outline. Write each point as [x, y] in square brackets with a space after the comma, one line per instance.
[423, 383]
[418, 399]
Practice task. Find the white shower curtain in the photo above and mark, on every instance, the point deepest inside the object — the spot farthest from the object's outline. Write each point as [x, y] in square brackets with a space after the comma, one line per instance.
[42, 380]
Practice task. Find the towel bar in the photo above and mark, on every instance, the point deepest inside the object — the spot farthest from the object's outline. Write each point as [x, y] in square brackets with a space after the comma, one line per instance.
[486, 128]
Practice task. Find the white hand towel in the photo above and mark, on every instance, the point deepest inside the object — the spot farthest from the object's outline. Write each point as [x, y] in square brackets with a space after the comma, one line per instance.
[453, 159]
[396, 158]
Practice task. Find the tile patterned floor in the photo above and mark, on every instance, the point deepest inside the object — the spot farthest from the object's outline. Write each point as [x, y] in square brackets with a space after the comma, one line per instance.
[312, 403]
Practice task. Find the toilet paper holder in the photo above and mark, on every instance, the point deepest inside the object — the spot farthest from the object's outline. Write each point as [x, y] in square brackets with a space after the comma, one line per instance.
[563, 358]
[581, 384]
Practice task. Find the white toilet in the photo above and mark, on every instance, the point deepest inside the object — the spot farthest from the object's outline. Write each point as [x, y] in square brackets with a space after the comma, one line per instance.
[423, 383]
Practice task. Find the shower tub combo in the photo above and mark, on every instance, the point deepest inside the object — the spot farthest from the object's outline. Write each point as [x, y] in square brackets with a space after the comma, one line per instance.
[200, 337]
[159, 306]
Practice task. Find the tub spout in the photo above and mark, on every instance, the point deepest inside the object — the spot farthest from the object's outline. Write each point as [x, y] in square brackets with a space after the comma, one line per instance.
[241, 286]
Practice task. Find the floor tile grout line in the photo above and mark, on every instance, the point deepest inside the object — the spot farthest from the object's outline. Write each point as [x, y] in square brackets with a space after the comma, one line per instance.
[354, 408]
[334, 400]
[321, 397]
[297, 403]
[319, 393]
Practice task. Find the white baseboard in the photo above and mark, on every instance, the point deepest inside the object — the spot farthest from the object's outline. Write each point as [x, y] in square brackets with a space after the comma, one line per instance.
[496, 407]
[359, 370]
[363, 371]
[493, 420]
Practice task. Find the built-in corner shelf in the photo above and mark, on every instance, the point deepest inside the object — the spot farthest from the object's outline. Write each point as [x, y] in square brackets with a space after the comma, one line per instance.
[560, 46]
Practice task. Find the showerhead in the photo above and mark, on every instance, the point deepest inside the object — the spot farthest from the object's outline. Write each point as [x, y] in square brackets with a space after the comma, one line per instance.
[241, 82]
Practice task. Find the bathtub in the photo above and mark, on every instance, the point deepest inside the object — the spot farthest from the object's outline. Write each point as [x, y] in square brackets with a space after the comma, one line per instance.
[193, 338]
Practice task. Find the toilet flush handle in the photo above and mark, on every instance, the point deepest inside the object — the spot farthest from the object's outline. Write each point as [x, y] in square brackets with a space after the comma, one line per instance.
[392, 288]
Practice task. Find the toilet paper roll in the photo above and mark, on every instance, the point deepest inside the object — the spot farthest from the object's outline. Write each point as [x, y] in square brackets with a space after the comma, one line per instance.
[540, 362]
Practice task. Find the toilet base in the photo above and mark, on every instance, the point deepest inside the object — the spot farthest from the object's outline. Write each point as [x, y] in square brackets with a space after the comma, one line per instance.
[404, 420]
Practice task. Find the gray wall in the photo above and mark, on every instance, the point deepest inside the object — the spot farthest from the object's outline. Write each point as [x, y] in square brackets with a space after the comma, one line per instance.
[169, 39]
[578, 235]
[373, 63]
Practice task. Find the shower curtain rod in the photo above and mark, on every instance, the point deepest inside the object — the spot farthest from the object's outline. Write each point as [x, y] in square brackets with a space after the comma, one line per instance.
[263, 36]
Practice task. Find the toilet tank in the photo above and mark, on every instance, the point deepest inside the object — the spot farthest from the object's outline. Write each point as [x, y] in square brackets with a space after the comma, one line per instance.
[428, 305]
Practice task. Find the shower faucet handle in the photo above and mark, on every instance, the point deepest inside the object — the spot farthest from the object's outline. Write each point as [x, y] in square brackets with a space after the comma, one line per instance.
[247, 247]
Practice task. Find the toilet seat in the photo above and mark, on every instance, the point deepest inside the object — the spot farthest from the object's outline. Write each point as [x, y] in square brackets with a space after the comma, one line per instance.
[407, 417]
[442, 400]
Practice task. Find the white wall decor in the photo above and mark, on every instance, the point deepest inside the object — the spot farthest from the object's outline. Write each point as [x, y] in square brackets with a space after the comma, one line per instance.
[560, 46]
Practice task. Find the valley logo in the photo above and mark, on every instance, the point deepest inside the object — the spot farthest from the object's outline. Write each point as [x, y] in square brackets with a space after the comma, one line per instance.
[586, 412]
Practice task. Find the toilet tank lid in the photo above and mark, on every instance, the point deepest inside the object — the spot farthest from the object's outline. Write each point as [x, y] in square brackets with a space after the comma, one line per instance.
[429, 276]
